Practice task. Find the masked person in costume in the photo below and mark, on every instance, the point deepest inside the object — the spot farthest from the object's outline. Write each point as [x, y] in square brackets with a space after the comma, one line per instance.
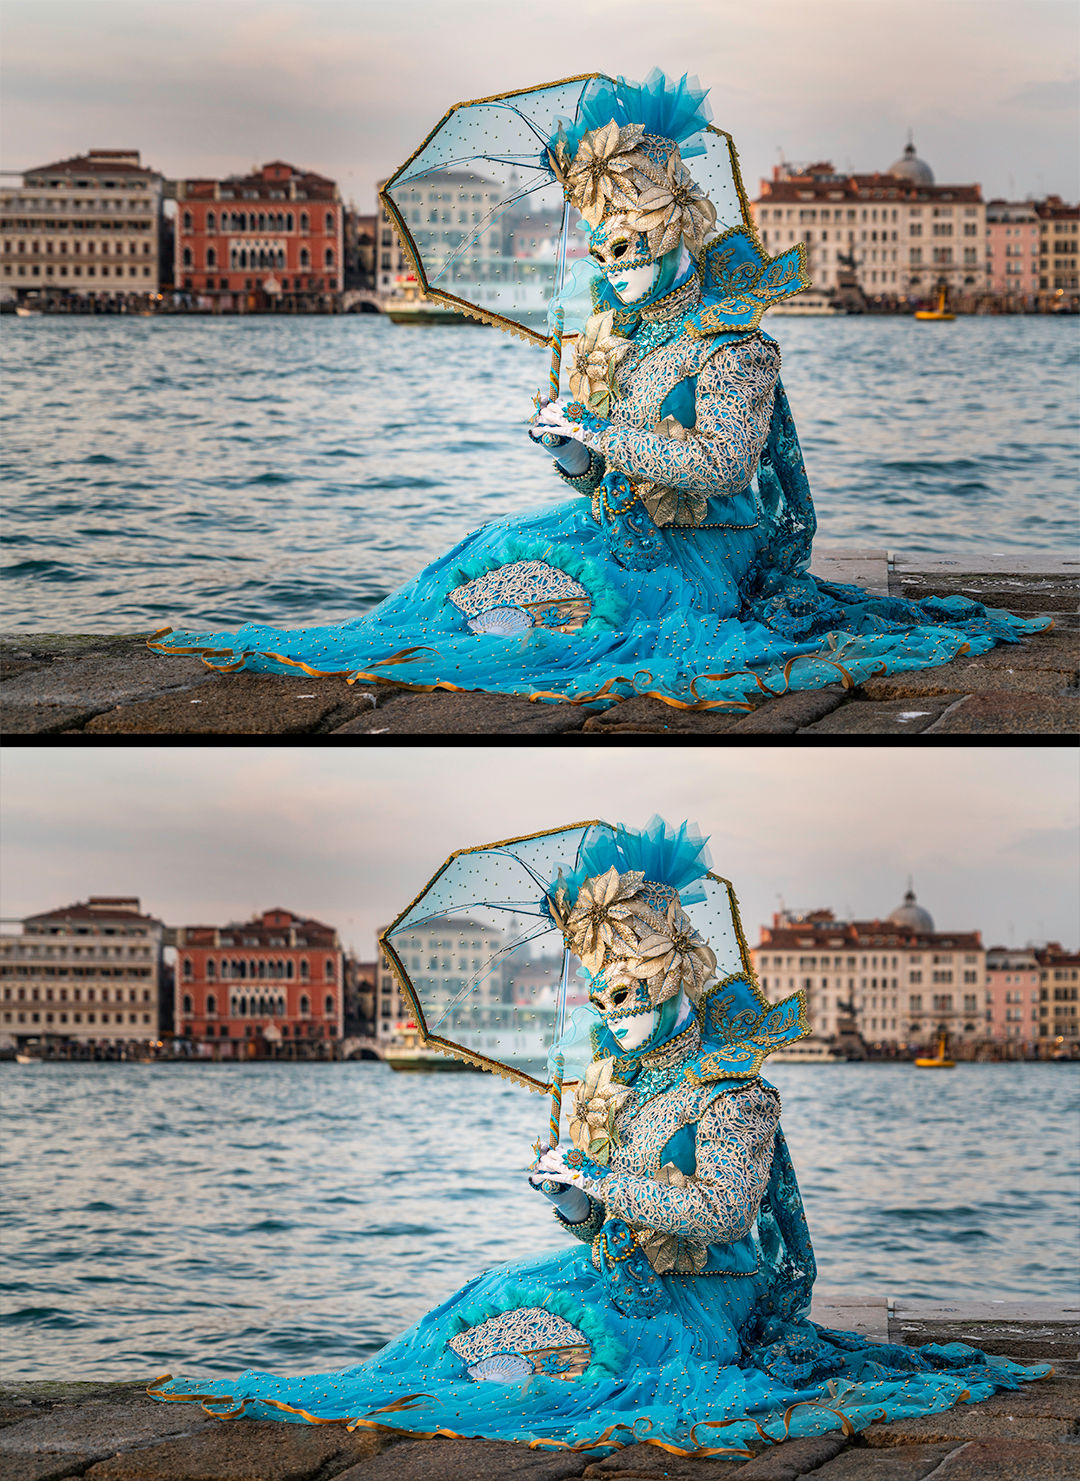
[676, 1312]
[679, 565]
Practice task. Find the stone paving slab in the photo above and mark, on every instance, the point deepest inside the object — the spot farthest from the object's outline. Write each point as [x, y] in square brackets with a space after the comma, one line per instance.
[1010, 1460]
[643, 1462]
[240, 704]
[901, 1463]
[469, 713]
[1009, 714]
[900, 717]
[853, 565]
[256, 1450]
[464, 1460]
[65, 1441]
[868, 1318]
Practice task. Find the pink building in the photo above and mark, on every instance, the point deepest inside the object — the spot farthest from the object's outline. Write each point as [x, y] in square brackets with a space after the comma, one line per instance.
[1012, 250]
[1012, 996]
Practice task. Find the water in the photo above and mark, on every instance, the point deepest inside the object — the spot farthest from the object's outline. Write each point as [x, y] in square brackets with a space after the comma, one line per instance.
[208, 1218]
[294, 471]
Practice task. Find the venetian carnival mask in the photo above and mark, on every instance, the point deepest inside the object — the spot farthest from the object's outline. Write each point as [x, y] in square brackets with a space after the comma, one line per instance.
[623, 255]
[623, 1002]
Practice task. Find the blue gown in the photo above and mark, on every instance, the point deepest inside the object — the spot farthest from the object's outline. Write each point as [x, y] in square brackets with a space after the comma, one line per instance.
[678, 1317]
[680, 567]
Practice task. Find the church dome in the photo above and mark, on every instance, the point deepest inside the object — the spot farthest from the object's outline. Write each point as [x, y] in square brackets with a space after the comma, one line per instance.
[911, 167]
[912, 915]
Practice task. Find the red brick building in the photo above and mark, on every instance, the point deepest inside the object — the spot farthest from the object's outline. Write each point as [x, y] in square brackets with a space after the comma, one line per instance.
[274, 239]
[269, 986]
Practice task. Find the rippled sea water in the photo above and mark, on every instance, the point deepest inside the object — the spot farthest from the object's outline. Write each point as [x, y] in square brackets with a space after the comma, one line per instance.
[294, 471]
[209, 1218]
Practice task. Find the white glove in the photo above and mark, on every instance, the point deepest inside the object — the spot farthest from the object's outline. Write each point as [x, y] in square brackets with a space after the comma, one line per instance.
[571, 454]
[561, 1186]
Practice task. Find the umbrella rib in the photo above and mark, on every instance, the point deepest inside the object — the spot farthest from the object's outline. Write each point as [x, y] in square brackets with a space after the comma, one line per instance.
[464, 246]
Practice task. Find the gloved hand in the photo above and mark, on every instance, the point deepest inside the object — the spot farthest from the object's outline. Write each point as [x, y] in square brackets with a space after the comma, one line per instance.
[571, 455]
[556, 1183]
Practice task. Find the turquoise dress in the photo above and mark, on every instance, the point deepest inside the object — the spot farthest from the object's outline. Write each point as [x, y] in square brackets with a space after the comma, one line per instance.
[675, 1312]
[679, 568]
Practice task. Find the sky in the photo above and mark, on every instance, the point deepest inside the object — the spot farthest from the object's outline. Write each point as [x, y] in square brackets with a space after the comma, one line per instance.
[207, 836]
[350, 87]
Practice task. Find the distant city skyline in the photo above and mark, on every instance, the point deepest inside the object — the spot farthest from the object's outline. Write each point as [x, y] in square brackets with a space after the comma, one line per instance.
[209, 836]
[988, 89]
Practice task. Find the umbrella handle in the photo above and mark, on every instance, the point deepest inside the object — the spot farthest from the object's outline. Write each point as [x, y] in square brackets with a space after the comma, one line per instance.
[556, 1102]
[556, 354]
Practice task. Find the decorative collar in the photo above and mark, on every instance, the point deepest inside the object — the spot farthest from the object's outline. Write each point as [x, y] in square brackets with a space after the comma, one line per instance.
[740, 282]
[674, 305]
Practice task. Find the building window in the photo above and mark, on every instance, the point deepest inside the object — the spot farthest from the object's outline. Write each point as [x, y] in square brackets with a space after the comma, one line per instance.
[328, 257]
[305, 1005]
[328, 1007]
[187, 969]
[211, 1003]
[187, 258]
[304, 221]
[329, 975]
[210, 222]
[305, 257]
[187, 221]
[303, 969]
[188, 1006]
[329, 221]
[211, 257]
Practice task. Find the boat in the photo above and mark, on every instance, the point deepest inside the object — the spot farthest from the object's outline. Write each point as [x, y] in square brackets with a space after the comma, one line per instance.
[411, 307]
[808, 1051]
[425, 1061]
[938, 1062]
[30, 1053]
[807, 305]
[938, 313]
[23, 312]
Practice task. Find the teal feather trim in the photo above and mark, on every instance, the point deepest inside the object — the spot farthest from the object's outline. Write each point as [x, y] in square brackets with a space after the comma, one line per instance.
[608, 1355]
[608, 608]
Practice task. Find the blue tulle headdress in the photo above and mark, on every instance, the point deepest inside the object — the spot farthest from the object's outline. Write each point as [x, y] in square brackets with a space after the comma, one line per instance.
[677, 111]
[675, 857]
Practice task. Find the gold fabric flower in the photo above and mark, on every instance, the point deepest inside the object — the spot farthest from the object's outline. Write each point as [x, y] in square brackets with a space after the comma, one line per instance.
[597, 175]
[602, 915]
[593, 359]
[592, 1116]
[672, 208]
[666, 505]
[670, 1252]
[672, 956]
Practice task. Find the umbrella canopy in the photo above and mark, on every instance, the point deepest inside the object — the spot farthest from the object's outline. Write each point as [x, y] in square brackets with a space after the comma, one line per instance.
[483, 219]
[481, 961]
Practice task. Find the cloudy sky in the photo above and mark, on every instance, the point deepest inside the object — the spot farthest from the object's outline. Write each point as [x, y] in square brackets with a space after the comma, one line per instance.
[350, 87]
[206, 836]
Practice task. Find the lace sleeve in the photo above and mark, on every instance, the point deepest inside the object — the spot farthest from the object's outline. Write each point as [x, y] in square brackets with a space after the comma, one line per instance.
[719, 1202]
[735, 391]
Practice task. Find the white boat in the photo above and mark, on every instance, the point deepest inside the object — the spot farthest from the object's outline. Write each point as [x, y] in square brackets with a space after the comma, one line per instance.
[807, 1051]
[425, 1061]
[22, 312]
[810, 304]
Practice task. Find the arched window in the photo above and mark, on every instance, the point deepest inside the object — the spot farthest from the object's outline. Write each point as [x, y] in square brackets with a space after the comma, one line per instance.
[328, 1007]
[304, 224]
[329, 221]
[305, 1005]
[304, 969]
[280, 257]
[243, 257]
[262, 220]
[187, 221]
[288, 221]
[211, 1003]
[243, 221]
[329, 257]
[187, 256]
[252, 974]
[305, 257]
[211, 257]
[187, 1004]
[210, 970]
[328, 970]
[289, 970]
[187, 969]
[281, 1007]
[243, 1007]
[210, 221]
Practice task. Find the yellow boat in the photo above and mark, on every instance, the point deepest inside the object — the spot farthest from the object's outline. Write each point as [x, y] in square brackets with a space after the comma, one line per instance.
[938, 313]
[939, 1062]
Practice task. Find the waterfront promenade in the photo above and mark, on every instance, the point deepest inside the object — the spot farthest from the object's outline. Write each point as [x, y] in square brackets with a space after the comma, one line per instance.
[113, 1432]
[93, 685]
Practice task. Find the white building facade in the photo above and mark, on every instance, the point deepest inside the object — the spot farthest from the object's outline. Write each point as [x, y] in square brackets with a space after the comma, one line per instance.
[83, 977]
[86, 227]
[895, 233]
[907, 982]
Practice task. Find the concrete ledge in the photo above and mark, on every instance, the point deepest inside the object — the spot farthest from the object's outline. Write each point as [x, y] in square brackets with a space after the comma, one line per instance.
[51, 1431]
[97, 685]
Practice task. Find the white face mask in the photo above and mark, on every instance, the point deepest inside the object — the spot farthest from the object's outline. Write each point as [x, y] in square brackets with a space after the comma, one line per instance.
[633, 1031]
[631, 284]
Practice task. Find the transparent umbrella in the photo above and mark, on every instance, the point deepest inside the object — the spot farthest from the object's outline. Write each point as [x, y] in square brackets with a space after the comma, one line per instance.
[482, 964]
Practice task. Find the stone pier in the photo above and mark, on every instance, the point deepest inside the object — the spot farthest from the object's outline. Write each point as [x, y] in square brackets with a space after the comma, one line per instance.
[96, 686]
[113, 1432]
